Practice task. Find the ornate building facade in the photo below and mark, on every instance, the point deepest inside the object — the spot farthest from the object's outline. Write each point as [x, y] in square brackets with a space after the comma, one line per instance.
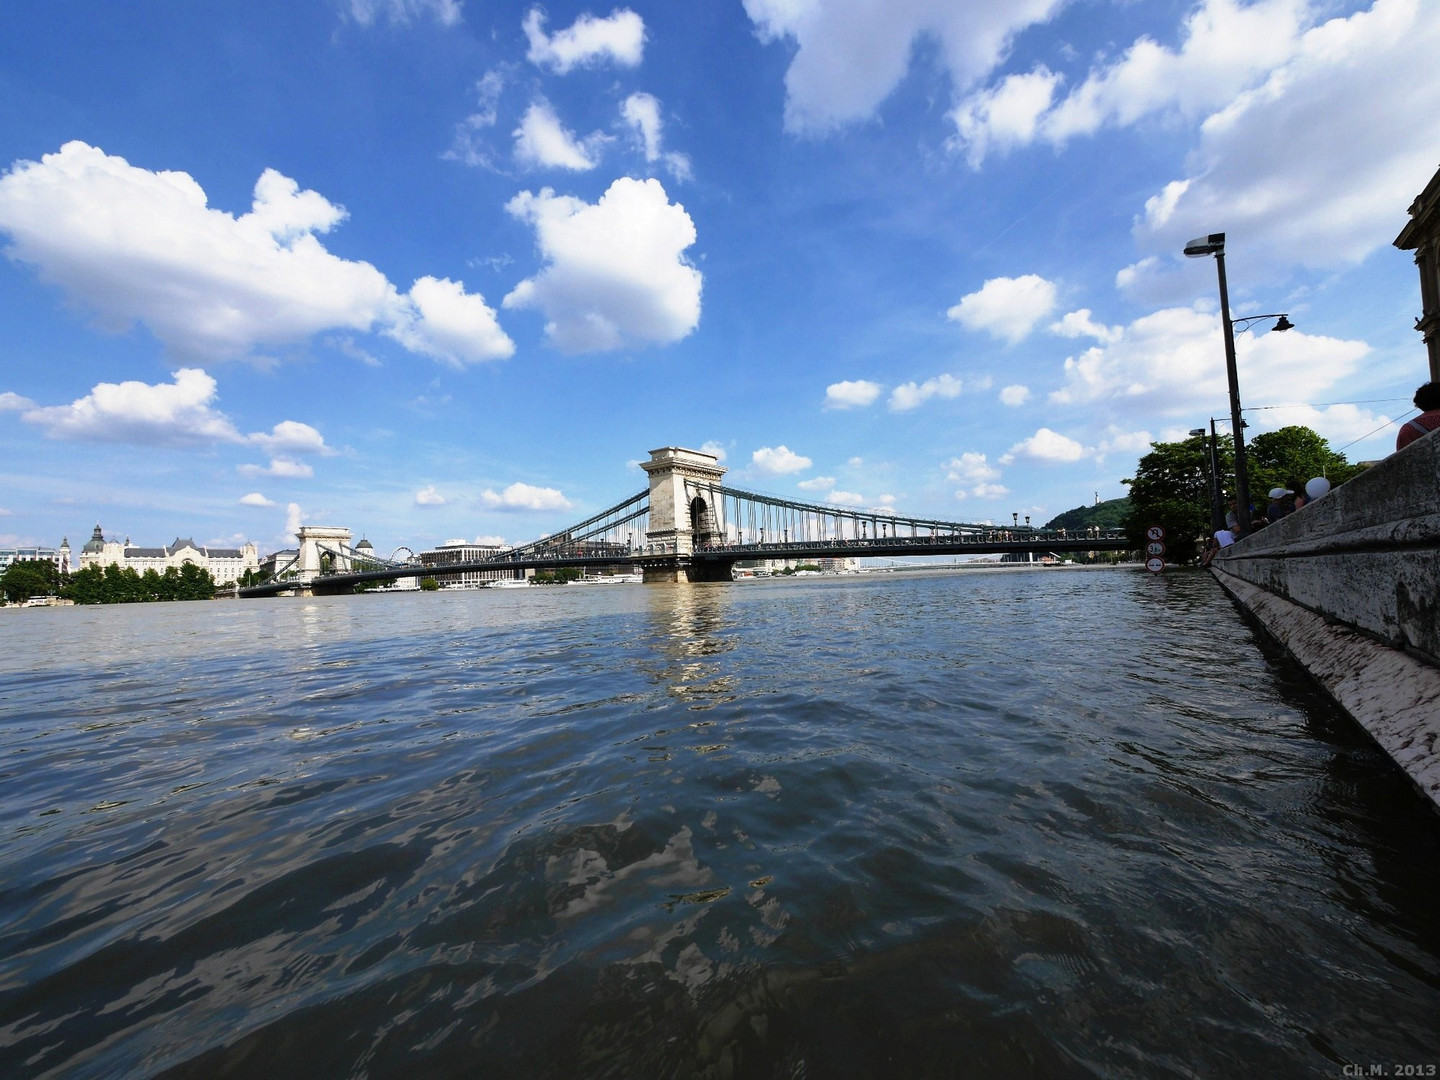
[1422, 236]
[226, 565]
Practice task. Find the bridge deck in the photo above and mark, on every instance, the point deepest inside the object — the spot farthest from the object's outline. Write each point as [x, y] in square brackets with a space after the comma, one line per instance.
[999, 543]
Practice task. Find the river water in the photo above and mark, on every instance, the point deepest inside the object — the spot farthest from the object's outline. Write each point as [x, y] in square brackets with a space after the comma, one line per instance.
[1033, 823]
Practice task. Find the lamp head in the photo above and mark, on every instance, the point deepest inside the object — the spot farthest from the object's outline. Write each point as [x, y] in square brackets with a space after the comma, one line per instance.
[1283, 325]
[1214, 244]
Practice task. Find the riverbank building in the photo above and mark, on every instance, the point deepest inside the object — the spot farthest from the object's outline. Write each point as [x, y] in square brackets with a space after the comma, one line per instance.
[226, 565]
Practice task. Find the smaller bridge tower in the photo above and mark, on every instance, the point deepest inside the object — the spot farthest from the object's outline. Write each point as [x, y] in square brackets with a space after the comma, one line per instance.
[682, 514]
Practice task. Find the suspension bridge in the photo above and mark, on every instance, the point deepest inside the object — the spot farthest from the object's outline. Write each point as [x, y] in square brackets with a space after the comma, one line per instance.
[688, 526]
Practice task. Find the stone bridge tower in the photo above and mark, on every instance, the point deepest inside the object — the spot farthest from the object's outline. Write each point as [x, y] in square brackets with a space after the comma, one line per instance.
[682, 514]
[316, 543]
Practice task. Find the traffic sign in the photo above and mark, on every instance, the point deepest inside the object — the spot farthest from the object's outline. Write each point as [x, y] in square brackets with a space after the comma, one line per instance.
[1155, 547]
[1155, 565]
[1155, 532]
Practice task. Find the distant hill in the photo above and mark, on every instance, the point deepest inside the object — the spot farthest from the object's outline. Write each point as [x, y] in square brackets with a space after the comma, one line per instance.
[1109, 514]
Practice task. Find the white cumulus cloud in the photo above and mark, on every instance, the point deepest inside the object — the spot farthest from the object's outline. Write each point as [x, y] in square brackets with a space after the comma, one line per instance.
[1172, 363]
[985, 491]
[1224, 48]
[619, 38]
[845, 498]
[1045, 446]
[402, 12]
[616, 273]
[285, 468]
[1005, 116]
[177, 413]
[851, 394]
[135, 245]
[850, 54]
[541, 140]
[976, 476]
[520, 496]
[642, 112]
[1014, 395]
[294, 517]
[255, 499]
[445, 322]
[428, 496]
[778, 460]
[291, 437]
[714, 449]
[816, 483]
[1267, 168]
[180, 413]
[1006, 308]
[912, 395]
[1078, 324]
[469, 145]
[971, 468]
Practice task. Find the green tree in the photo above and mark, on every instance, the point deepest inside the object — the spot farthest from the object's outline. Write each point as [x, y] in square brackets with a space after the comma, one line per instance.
[112, 585]
[1110, 514]
[86, 586]
[196, 583]
[429, 584]
[121, 586]
[25, 578]
[1290, 456]
[558, 576]
[153, 586]
[1171, 488]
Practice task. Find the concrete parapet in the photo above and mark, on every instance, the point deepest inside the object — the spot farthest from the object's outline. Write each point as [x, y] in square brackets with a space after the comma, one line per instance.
[1366, 555]
[1350, 586]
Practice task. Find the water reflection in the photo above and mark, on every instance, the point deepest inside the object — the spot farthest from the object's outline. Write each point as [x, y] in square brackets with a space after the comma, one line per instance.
[688, 632]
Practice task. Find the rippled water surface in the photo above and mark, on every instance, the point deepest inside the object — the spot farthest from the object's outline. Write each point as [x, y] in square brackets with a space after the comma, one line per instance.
[985, 823]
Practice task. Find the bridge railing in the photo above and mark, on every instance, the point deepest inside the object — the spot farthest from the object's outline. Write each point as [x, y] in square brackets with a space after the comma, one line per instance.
[987, 539]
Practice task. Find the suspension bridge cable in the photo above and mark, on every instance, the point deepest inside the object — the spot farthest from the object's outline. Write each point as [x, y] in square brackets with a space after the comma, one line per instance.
[1382, 427]
[1322, 404]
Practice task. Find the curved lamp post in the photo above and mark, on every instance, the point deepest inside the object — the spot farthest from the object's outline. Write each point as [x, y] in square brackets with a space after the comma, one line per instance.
[1214, 244]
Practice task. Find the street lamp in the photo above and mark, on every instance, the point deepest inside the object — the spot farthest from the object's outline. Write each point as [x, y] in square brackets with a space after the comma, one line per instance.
[1214, 244]
[1212, 475]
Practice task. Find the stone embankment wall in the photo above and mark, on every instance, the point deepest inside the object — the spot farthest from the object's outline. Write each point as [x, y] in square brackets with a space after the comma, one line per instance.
[1350, 586]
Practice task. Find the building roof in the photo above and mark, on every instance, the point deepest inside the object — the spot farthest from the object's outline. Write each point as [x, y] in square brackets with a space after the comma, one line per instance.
[1423, 216]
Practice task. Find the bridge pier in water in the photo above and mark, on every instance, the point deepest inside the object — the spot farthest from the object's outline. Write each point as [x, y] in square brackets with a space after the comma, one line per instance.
[680, 518]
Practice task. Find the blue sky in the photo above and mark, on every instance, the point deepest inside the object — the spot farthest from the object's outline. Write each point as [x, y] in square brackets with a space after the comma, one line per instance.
[437, 268]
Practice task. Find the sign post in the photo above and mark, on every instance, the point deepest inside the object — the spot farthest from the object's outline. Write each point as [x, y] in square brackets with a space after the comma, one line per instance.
[1155, 549]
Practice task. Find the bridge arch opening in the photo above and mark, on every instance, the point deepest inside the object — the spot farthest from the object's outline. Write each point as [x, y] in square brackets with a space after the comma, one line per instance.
[703, 526]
